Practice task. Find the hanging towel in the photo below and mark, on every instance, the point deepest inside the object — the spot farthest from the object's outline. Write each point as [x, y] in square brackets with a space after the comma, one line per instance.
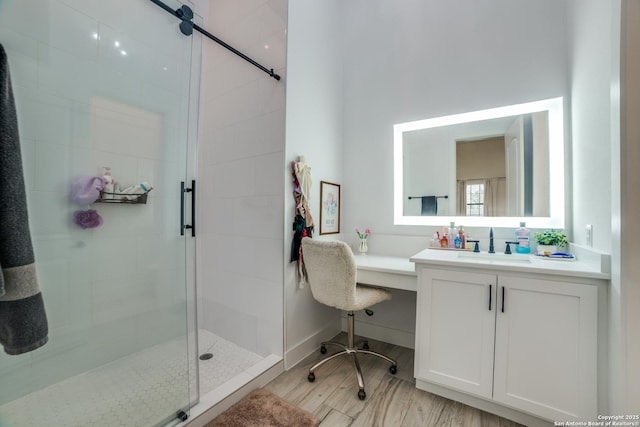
[429, 206]
[23, 322]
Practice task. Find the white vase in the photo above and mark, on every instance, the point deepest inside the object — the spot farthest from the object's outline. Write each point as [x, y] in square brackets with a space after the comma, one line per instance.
[547, 248]
[362, 248]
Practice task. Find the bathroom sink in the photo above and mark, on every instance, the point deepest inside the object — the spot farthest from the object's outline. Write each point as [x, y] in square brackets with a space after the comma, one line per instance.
[487, 257]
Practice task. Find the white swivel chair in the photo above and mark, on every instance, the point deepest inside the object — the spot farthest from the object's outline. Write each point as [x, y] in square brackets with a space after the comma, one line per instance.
[331, 271]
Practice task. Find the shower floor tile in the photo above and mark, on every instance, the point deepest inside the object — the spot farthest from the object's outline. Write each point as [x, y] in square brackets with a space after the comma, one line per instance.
[228, 361]
[133, 391]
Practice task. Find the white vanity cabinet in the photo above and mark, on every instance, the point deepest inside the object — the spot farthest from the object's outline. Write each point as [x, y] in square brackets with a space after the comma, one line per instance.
[455, 330]
[528, 342]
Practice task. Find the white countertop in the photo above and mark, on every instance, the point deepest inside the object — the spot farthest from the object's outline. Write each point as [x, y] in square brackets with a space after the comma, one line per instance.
[385, 264]
[514, 262]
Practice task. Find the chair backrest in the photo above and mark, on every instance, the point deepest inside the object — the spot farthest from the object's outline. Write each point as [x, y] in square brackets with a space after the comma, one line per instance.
[331, 270]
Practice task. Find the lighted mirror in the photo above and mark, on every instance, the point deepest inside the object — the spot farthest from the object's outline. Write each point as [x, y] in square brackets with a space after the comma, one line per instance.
[492, 167]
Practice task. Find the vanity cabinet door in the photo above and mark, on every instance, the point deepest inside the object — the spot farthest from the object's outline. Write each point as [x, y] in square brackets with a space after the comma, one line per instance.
[546, 348]
[455, 330]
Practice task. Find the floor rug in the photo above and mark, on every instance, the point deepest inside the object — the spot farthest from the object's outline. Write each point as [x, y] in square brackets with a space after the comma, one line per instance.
[262, 408]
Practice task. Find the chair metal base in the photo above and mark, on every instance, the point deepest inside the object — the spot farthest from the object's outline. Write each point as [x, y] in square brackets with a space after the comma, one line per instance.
[351, 350]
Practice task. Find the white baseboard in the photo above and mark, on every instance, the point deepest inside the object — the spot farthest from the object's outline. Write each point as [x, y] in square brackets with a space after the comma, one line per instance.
[213, 404]
[484, 405]
[382, 333]
[300, 351]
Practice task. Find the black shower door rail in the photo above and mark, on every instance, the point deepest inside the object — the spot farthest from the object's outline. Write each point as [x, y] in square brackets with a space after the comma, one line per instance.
[185, 14]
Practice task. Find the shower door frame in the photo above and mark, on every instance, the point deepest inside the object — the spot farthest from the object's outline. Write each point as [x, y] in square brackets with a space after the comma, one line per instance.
[188, 123]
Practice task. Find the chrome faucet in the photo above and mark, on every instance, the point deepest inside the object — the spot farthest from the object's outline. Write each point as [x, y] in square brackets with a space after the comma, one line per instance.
[491, 248]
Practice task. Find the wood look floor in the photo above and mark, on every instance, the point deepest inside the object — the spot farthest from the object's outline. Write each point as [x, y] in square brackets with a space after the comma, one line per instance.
[392, 400]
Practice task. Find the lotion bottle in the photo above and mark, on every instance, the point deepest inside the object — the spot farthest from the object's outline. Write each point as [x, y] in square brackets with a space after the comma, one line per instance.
[452, 235]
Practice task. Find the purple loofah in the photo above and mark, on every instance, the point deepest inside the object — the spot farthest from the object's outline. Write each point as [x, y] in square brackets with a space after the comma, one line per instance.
[87, 219]
[86, 190]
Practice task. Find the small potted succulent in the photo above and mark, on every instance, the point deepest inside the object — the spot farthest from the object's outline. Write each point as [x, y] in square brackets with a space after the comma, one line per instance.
[550, 240]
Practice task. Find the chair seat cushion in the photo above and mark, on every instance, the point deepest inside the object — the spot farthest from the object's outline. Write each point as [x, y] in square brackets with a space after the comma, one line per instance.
[366, 296]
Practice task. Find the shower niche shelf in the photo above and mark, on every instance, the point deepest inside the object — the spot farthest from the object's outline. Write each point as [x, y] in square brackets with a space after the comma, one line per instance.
[130, 199]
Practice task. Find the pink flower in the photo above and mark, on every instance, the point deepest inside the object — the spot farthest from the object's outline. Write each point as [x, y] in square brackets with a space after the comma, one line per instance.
[363, 234]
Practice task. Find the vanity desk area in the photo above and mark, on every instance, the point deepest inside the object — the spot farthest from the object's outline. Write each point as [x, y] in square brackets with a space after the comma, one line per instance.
[515, 335]
[386, 271]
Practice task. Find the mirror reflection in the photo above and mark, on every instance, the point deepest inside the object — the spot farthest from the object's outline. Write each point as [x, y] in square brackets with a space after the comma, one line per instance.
[495, 167]
[489, 167]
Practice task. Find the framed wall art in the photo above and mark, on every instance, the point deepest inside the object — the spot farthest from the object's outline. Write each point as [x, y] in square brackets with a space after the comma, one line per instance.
[329, 208]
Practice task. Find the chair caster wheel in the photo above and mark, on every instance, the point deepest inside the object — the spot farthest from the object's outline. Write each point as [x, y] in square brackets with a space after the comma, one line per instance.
[311, 377]
[361, 394]
[323, 349]
[393, 369]
[366, 345]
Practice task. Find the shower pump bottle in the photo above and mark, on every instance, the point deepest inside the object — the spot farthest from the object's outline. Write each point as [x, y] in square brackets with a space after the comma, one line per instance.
[109, 183]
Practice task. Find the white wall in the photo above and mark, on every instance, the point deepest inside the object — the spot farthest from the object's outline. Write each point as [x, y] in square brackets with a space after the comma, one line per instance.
[421, 178]
[429, 59]
[240, 170]
[624, 292]
[314, 130]
[119, 288]
[594, 48]
[604, 64]
[591, 37]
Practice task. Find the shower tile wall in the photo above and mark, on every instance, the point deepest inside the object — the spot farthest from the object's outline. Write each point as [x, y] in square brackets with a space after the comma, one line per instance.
[83, 104]
[242, 171]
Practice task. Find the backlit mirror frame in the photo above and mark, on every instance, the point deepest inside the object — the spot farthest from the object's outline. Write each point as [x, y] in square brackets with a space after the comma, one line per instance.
[556, 218]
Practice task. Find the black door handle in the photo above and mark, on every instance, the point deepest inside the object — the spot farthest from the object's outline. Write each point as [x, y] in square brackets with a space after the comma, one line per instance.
[193, 208]
[184, 226]
[502, 299]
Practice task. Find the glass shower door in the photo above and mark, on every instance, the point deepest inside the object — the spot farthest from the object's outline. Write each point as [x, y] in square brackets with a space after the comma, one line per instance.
[102, 84]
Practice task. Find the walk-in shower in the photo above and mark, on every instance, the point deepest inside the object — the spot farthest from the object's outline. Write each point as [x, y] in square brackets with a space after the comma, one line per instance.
[116, 84]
